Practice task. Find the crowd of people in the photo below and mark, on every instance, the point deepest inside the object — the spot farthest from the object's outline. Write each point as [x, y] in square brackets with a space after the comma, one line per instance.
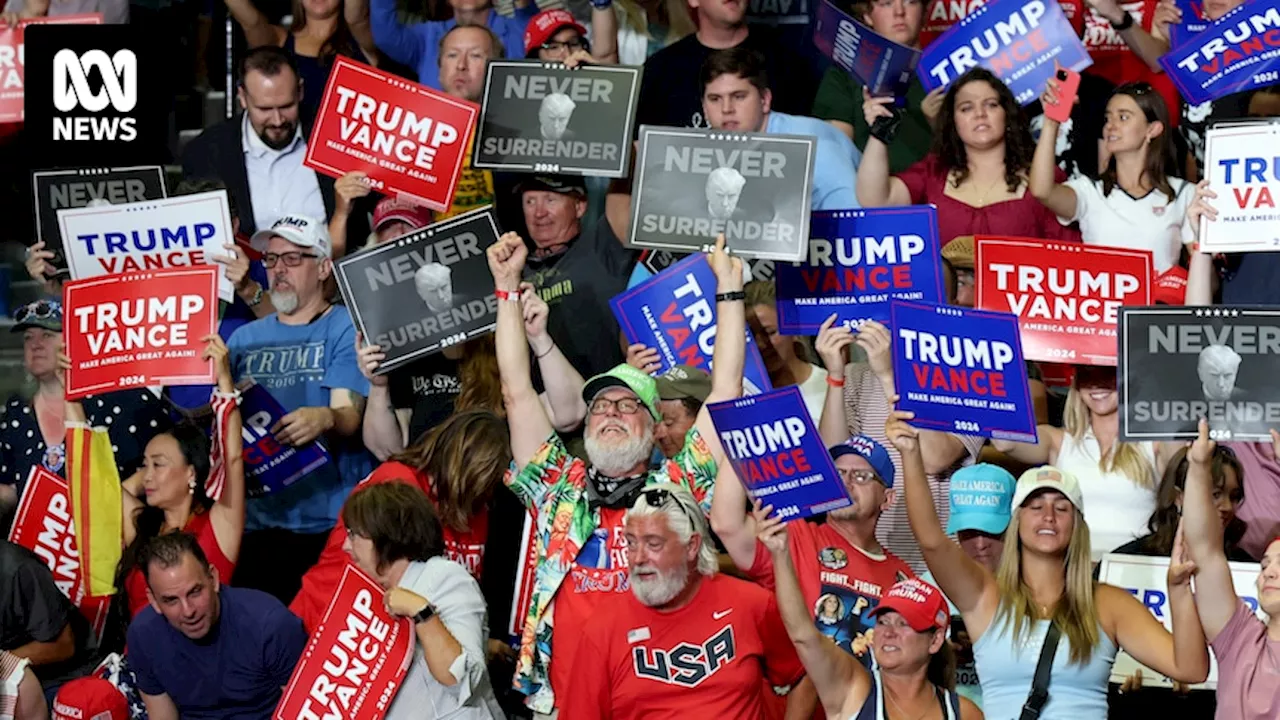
[962, 581]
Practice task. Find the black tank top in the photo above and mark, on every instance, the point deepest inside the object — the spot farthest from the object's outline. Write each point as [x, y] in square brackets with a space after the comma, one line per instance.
[314, 75]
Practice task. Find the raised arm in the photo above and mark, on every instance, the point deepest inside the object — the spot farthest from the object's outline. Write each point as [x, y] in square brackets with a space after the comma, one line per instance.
[841, 681]
[876, 187]
[729, 354]
[562, 399]
[1216, 599]
[530, 426]
[1038, 453]
[604, 35]
[969, 586]
[258, 31]
[1060, 199]
[1200, 272]
[398, 42]
[730, 520]
[227, 515]
[1183, 655]
[1146, 47]
[832, 340]
[385, 429]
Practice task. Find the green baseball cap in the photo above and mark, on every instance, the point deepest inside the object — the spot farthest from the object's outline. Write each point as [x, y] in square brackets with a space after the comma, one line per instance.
[625, 376]
[684, 381]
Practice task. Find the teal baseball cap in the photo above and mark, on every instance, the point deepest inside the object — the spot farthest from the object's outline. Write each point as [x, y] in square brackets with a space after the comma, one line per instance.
[625, 376]
[981, 499]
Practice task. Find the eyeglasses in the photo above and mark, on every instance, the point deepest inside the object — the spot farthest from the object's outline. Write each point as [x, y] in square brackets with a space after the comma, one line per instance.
[291, 259]
[37, 311]
[626, 406]
[657, 497]
[858, 477]
[570, 45]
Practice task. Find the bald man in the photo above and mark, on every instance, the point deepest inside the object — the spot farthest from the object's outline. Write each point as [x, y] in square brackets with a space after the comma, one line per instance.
[1217, 368]
[553, 116]
[724, 187]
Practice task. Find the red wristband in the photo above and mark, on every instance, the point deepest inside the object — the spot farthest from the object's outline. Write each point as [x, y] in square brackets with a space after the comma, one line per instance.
[835, 382]
[507, 295]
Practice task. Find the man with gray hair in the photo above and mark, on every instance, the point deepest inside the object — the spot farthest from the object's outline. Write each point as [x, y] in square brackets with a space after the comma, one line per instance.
[685, 638]
[553, 116]
[1217, 368]
[724, 187]
[434, 283]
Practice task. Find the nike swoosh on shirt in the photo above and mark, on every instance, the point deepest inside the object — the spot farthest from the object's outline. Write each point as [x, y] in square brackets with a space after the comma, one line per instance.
[722, 613]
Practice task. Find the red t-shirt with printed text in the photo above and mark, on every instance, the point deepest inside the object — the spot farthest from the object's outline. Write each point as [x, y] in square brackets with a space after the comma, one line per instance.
[713, 658]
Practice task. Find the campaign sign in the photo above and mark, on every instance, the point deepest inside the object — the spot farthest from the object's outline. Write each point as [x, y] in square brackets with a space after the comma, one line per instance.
[1066, 295]
[1102, 39]
[1193, 22]
[1017, 40]
[1237, 52]
[424, 290]
[961, 371]
[674, 312]
[270, 466]
[179, 232]
[13, 60]
[858, 261]
[691, 185]
[44, 526]
[356, 659]
[1180, 364]
[1239, 162]
[56, 190]
[139, 329]
[1145, 578]
[544, 117]
[408, 138]
[778, 454]
[882, 66]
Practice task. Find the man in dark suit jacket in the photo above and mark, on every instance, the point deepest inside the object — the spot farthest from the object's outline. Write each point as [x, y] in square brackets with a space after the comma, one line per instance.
[265, 143]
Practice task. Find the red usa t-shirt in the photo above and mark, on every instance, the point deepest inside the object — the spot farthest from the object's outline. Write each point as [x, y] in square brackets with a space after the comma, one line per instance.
[713, 658]
[841, 583]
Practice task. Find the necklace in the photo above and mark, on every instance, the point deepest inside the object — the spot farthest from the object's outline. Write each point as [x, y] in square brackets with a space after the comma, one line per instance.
[982, 201]
[903, 713]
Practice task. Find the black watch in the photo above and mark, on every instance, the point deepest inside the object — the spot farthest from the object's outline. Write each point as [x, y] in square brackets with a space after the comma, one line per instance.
[1124, 24]
[424, 615]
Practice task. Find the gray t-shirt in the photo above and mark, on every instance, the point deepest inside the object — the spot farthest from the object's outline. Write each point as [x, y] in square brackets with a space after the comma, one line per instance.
[460, 605]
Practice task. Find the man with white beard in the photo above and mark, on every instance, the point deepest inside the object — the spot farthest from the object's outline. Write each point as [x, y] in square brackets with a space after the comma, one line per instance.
[579, 506]
[685, 639]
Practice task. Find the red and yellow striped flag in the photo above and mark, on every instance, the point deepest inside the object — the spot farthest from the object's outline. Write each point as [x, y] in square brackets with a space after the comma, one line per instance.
[94, 486]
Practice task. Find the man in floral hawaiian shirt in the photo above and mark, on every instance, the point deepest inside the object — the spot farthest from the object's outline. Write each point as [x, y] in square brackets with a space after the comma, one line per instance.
[578, 505]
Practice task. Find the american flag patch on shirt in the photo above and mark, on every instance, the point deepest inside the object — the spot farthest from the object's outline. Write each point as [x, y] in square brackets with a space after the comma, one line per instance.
[638, 635]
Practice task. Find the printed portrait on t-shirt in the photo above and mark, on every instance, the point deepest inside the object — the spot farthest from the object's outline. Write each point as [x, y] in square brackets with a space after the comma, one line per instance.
[829, 610]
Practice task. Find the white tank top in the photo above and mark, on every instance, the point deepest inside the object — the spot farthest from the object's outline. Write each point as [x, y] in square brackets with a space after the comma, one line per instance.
[1116, 508]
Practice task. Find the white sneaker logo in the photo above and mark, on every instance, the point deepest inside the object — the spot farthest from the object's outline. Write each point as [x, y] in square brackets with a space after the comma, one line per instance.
[722, 613]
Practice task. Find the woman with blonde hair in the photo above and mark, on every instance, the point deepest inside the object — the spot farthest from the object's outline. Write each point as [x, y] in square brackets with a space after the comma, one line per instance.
[1117, 479]
[1043, 591]
[647, 26]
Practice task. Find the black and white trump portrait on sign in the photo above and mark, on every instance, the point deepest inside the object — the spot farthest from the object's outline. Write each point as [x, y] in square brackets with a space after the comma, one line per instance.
[425, 290]
[544, 117]
[1178, 364]
[691, 185]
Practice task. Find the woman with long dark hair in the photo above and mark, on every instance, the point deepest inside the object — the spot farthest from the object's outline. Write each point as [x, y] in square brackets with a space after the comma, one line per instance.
[1134, 204]
[978, 168]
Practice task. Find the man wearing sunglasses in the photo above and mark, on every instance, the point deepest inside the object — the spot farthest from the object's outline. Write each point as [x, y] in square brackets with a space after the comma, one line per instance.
[637, 656]
[304, 355]
[579, 505]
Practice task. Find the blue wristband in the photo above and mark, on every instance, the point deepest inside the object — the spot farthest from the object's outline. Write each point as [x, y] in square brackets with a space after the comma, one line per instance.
[601, 4]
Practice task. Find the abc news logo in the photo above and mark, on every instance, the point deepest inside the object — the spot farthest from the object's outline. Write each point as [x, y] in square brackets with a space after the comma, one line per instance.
[72, 92]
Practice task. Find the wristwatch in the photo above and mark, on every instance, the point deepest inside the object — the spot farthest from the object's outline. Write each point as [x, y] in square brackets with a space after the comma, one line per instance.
[1124, 24]
[426, 613]
[257, 298]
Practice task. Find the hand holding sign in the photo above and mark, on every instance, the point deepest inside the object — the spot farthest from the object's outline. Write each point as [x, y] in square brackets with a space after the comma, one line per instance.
[830, 345]
[1166, 15]
[40, 269]
[304, 425]
[236, 261]
[216, 350]
[368, 357]
[349, 188]
[875, 339]
[770, 529]
[874, 108]
[900, 433]
[506, 261]
[728, 269]
[644, 358]
[1200, 209]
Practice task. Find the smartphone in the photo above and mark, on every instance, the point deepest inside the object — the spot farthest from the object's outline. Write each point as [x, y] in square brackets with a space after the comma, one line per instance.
[1068, 86]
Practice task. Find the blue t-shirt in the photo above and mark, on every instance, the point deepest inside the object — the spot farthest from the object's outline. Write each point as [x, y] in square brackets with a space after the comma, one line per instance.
[299, 365]
[835, 165]
[236, 671]
[418, 46]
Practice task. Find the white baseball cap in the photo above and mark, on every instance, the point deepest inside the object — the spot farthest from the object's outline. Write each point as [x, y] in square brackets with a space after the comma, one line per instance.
[301, 230]
[1050, 478]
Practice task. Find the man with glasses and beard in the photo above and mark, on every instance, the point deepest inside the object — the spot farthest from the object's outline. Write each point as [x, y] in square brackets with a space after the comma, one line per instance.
[578, 505]
[259, 154]
[304, 355]
[685, 639]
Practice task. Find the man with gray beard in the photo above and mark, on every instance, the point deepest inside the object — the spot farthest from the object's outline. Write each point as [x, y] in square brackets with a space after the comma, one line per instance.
[579, 506]
[686, 640]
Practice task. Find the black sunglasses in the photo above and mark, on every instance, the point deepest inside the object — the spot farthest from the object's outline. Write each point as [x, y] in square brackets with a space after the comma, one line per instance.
[657, 497]
[40, 310]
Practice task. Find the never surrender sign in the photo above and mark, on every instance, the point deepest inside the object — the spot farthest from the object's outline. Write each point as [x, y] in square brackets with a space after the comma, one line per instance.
[1179, 364]
[1017, 40]
[547, 118]
[962, 371]
[1067, 296]
[424, 290]
[356, 659]
[1237, 52]
[858, 261]
[883, 66]
[139, 329]
[778, 454]
[179, 232]
[1239, 160]
[270, 466]
[692, 185]
[56, 190]
[44, 526]
[674, 312]
[409, 139]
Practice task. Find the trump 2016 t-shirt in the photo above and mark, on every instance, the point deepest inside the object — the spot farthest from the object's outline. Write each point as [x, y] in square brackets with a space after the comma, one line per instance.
[710, 658]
